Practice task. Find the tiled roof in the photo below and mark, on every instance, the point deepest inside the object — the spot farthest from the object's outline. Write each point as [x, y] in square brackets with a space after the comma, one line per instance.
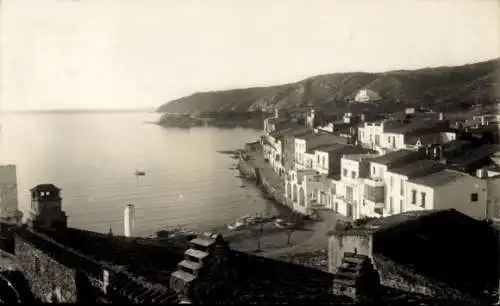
[45, 187]
[360, 157]
[418, 168]
[394, 156]
[414, 126]
[328, 147]
[385, 223]
[440, 178]
[425, 139]
[150, 258]
[476, 154]
[455, 145]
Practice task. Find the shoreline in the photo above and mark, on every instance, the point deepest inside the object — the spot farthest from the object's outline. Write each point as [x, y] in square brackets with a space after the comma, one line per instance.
[307, 245]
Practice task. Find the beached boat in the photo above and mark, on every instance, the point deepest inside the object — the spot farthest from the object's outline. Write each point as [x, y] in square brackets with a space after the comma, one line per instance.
[243, 221]
[282, 223]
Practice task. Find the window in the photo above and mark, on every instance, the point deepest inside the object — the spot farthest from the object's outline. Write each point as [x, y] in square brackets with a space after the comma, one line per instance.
[391, 205]
[353, 174]
[349, 193]
[413, 197]
[334, 189]
[401, 187]
[373, 170]
[422, 195]
[345, 172]
[474, 197]
[389, 139]
[323, 161]
[37, 265]
[391, 181]
[318, 160]
[377, 140]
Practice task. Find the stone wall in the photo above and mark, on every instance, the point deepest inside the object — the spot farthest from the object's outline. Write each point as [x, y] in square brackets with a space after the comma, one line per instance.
[247, 169]
[339, 243]
[49, 280]
[404, 278]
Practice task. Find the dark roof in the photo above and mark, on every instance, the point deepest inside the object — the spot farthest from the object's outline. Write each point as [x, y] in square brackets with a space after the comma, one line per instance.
[146, 257]
[414, 126]
[440, 178]
[328, 148]
[419, 167]
[425, 139]
[385, 223]
[45, 187]
[288, 128]
[391, 157]
[455, 145]
[298, 132]
[474, 155]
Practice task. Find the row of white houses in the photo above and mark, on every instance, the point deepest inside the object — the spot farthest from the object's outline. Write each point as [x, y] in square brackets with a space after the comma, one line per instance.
[385, 175]
[369, 186]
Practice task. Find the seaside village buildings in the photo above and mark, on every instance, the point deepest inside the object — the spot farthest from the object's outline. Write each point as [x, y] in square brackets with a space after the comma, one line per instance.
[410, 161]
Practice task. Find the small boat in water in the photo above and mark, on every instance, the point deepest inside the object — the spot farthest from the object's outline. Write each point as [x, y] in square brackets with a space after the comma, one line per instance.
[140, 173]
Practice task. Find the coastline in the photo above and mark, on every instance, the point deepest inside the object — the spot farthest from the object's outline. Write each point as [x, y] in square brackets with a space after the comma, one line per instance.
[307, 245]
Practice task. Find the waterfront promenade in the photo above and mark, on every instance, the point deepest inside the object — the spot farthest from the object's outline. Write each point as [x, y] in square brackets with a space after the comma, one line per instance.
[308, 244]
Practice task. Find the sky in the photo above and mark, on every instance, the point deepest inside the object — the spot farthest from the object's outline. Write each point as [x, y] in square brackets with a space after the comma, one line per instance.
[105, 54]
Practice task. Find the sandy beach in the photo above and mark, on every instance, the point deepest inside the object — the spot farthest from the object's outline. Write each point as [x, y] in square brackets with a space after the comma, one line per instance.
[308, 244]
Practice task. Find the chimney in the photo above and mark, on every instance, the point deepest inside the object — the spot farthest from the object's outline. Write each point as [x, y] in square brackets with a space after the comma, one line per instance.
[276, 112]
[482, 173]
[441, 116]
[128, 220]
[362, 117]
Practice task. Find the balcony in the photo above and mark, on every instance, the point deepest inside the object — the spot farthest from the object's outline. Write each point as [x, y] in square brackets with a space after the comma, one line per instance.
[374, 182]
[375, 194]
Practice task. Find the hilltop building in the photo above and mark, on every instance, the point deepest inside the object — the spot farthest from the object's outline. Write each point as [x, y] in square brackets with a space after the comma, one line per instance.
[367, 95]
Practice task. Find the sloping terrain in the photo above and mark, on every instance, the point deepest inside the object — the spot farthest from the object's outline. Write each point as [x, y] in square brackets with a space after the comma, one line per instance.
[439, 87]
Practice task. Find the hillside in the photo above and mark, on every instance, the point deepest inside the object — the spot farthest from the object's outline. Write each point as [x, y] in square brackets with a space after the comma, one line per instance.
[442, 87]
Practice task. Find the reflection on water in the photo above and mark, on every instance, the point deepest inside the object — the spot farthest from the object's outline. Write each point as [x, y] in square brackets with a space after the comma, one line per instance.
[93, 157]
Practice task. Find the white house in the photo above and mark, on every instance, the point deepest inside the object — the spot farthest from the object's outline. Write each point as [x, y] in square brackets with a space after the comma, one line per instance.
[305, 145]
[448, 189]
[315, 181]
[376, 185]
[301, 189]
[396, 179]
[347, 191]
[367, 95]
[392, 135]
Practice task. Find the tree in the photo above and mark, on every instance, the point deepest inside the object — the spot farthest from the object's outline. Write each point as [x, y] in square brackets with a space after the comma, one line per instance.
[292, 227]
[258, 234]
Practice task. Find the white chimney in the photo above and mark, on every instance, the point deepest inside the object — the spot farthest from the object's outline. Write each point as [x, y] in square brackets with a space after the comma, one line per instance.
[441, 116]
[128, 220]
[482, 173]
[276, 112]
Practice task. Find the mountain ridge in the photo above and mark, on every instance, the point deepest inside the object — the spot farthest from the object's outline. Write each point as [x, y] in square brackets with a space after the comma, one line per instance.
[442, 87]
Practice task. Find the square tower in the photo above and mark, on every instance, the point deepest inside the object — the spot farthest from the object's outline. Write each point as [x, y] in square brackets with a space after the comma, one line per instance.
[46, 208]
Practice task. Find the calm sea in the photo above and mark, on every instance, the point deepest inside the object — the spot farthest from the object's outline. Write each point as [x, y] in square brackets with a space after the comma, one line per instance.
[92, 157]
